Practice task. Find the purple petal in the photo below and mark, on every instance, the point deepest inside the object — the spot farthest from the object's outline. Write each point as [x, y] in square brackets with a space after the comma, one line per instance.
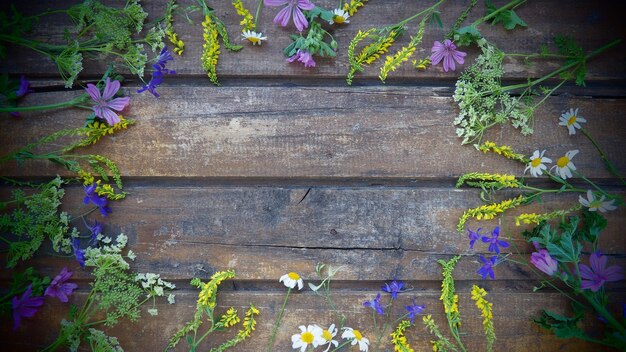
[436, 57]
[110, 89]
[299, 20]
[283, 16]
[585, 272]
[111, 117]
[118, 104]
[98, 111]
[93, 92]
[613, 273]
[437, 46]
[598, 262]
[448, 63]
[275, 2]
[305, 5]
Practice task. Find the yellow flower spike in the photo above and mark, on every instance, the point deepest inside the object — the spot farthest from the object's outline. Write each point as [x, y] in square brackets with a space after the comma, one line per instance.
[352, 7]
[398, 339]
[503, 150]
[487, 212]
[534, 218]
[486, 312]
[211, 49]
[403, 55]
[179, 46]
[247, 23]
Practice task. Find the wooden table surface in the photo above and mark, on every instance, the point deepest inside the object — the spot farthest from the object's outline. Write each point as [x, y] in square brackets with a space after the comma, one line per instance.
[283, 167]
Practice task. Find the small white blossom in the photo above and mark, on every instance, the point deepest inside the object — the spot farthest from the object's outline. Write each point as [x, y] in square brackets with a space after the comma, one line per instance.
[356, 337]
[291, 280]
[536, 165]
[595, 204]
[572, 120]
[564, 165]
[339, 16]
[308, 335]
[253, 37]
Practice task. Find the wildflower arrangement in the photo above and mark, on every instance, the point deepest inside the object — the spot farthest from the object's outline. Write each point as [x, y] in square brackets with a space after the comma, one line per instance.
[206, 309]
[450, 300]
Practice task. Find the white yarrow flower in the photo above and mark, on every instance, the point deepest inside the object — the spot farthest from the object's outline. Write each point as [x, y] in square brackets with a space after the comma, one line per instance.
[291, 280]
[564, 165]
[356, 337]
[572, 120]
[595, 204]
[536, 165]
[253, 37]
[308, 336]
[339, 16]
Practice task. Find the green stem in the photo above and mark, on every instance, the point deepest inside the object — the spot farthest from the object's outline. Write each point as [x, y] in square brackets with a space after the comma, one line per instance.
[64, 104]
[533, 55]
[4, 239]
[591, 183]
[341, 345]
[604, 313]
[256, 14]
[270, 344]
[549, 93]
[405, 21]
[607, 163]
[486, 18]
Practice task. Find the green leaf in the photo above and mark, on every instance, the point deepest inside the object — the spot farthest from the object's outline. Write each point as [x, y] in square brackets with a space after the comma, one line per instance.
[435, 20]
[560, 325]
[467, 35]
[508, 18]
[565, 250]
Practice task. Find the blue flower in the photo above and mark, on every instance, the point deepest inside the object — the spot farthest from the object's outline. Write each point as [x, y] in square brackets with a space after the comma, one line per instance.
[494, 242]
[473, 237]
[157, 74]
[95, 230]
[414, 310]
[92, 196]
[487, 268]
[78, 253]
[23, 88]
[394, 288]
[375, 304]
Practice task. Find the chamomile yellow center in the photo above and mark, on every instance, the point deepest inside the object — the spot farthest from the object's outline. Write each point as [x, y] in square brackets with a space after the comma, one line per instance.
[294, 276]
[253, 40]
[327, 335]
[307, 337]
[535, 162]
[339, 19]
[571, 120]
[562, 162]
[357, 335]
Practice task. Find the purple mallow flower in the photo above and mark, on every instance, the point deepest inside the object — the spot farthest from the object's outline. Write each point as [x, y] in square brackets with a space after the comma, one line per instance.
[100, 201]
[487, 268]
[375, 304]
[473, 237]
[294, 7]
[159, 71]
[595, 276]
[78, 253]
[59, 288]
[26, 306]
[448, 53]
[303, 56]
[414, 310]
[394, 288]
[103, 108]
[544, 262]
[494, 242]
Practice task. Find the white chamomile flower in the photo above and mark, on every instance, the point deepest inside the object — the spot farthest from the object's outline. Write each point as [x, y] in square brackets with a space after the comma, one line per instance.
[253, 37]
[595, 204]
[326, 337]
[536, 165]
[339, 16]
[291, 280]
[564, 165]
[572, 120]
[308, 336]
[356, 337]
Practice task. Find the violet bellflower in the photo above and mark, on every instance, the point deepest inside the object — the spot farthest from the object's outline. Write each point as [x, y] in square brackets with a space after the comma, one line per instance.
[544, 262]
[487, 268]
[414, 310]
[79, 254]
[375, 304]
[494, 241]
[21, 91]
[95, 230]
[59, 288]
[394, 288]
[159, 71]
[448, 53]
[303, 56]
[595, 276]
[100, 201]
[104, 105]
[473, 236]
[294, 8]
[25, 306]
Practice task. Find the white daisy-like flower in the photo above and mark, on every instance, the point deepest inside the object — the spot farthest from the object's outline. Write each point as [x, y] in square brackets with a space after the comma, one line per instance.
[326, 337]
[308, 335]
[339, 16]
[564, 165]
[595, 204]
[572, 120]
[291, 280]
[536, 165]
[356, 337]
[253, 37]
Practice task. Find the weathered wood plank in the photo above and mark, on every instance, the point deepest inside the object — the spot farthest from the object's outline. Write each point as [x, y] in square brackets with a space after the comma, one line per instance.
[591, 23]
[314, 132]
[512, 316]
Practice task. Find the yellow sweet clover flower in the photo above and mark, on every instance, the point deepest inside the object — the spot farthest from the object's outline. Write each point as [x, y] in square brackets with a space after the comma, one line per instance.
[448, 296]
[370, 52]
[249, 324]
[247, 23]
[352, 7]
[503, 150]
[488, 212]
[403, 55]
[422, 64]
[399, 340]
[486, 308]
[230, 318]
[486, 180]
[442, 343]
[207, 296]
[534, 218]
[211, 49]
[179, 45]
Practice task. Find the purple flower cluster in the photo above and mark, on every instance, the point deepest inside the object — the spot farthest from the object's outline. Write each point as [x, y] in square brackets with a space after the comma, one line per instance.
[79, 254]
[95, 230]
[414, 310]
[375, 304]
[304, 56]
[594, 276]
[93, 197]
[494, 246]
[59, 288]
[159, 71]
[447, 53]
[104, 105]
[394, 287]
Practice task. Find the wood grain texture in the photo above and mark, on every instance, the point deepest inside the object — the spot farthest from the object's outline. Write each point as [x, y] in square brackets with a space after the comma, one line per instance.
[315, 132]
[593, 24]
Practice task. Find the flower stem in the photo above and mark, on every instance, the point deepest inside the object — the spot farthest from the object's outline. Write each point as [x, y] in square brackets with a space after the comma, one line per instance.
[604, 313]
[609, 166]
[270, 344]
[486, 18]
[64, 104]
[341, 345]
[405, 21]
[256, 14]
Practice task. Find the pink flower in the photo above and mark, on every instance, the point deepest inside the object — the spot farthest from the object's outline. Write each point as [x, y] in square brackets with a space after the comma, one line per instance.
[103, 108]
[544, 262]
[294, 7]
[303, 56]
[448, 53]
[59, 288]
[595, 276]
